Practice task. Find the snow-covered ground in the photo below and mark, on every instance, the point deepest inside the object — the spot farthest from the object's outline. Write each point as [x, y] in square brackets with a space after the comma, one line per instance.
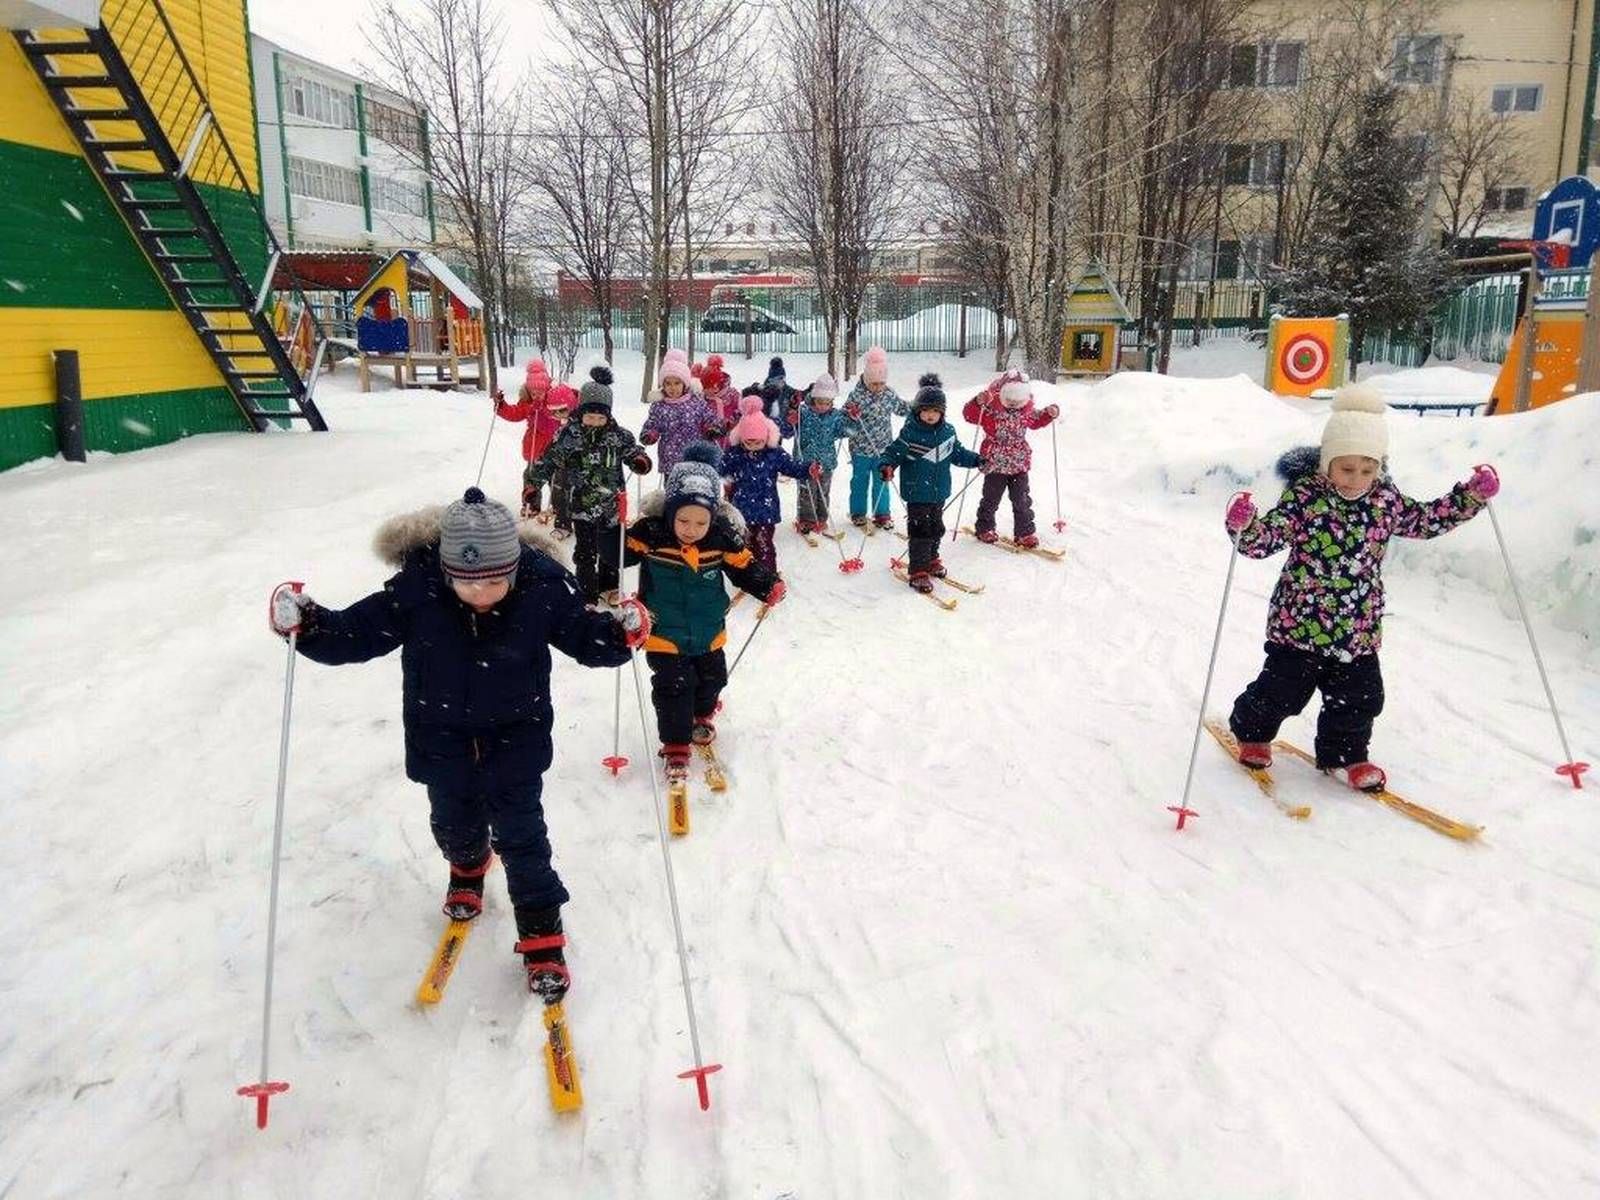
[944, 937]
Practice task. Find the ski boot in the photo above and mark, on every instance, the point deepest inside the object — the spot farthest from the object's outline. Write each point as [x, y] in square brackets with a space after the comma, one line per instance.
[860, 522]
[464, 898]
[883, 521]
[676, 755]
[803, 527]
[1255, 755]
[704, 731]
[540, 942]
[921, 582]
[1363, 776]
[937, 568]
[987, 536]
[1029, 541]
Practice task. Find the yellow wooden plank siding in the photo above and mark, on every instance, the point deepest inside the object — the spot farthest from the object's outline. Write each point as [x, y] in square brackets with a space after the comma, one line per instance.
[120, 353]
[26, 114]
[217, 43]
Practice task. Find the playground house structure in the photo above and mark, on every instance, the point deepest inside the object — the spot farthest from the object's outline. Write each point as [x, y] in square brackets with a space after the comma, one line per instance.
[1095, 316]
[137, 252]
[417, 314]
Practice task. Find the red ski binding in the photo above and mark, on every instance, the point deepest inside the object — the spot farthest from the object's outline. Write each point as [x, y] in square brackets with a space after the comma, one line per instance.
[698, 1074]
[263, 1093]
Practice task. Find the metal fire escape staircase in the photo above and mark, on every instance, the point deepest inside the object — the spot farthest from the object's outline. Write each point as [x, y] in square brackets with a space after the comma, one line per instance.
[130, 96]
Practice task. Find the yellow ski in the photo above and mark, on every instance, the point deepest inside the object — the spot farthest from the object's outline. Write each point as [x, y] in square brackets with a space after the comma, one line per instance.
[678, 808]
[1263, 779]
[1438, 822]
[560, 1064]
[716, 780]
[431, 989]
[943, 602]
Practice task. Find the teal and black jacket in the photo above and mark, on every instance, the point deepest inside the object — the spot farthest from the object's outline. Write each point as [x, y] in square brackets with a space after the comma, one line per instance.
[924, 454]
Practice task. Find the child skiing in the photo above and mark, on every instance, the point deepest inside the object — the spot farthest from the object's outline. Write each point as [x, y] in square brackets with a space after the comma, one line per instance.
[563, 399]
[1324, 627]
[719, 391]
[592, 449]
[927, 448]
[679, 412]
[752, 468]
[817, 427]
[1004, 411]
[474, 609]
[687, 540]
[776, 394]
[533, 406]
[872, 402]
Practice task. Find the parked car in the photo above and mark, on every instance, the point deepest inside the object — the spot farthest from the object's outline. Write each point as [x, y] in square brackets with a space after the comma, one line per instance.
[729, 318]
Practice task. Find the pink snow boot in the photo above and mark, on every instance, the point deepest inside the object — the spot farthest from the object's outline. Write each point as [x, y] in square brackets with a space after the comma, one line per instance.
[987, 536]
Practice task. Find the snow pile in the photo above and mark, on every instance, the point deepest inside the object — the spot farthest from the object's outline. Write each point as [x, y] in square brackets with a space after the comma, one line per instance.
[941, 931]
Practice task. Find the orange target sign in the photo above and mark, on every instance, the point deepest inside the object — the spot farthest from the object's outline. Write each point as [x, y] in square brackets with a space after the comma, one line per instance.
[1306, 354]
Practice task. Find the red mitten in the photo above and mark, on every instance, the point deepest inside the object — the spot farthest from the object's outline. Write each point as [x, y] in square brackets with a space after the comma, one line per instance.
[634, 618]
[853, 410]
[816, 471]
[1241, 512]
[776, 595]
[649, 437]
[886, 472]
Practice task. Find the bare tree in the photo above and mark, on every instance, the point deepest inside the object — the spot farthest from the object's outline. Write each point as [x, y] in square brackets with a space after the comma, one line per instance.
[836, 162]
[1481, 150]
[566, 322]
[581, 198]
[444, 56]
[663, 58]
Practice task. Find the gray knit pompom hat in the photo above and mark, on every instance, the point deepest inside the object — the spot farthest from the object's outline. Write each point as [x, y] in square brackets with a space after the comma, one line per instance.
[478, 539]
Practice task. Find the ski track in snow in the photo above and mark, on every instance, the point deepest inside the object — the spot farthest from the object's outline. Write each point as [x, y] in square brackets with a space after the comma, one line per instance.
[941, 932]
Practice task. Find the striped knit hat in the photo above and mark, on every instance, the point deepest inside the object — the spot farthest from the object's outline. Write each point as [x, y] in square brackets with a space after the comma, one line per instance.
[478, 539]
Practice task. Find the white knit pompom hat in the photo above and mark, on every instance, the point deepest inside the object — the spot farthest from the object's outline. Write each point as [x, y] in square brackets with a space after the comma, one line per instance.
[1356, 426]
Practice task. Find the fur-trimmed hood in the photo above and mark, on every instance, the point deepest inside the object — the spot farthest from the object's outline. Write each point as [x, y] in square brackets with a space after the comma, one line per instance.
[399, 535]
[654, 504]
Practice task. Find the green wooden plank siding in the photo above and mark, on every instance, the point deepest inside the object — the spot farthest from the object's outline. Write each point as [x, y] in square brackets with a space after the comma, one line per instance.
[120, 423]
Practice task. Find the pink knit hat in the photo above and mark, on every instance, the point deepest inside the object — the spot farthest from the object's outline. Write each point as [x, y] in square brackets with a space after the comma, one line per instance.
[1015, 388]
[538, 379]
[875, 366]
[754, 424]
[675, 365]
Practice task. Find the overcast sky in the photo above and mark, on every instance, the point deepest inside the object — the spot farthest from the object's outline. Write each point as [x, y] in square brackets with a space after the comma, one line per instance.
[334, 31]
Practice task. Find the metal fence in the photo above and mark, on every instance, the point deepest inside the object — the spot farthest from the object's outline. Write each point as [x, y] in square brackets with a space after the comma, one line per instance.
[1476, 323]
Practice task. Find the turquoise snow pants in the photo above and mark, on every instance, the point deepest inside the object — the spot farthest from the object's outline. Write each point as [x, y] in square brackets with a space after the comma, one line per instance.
[864, 475]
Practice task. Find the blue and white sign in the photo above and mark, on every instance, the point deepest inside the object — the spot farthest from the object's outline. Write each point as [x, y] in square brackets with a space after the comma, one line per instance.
[1570, 213]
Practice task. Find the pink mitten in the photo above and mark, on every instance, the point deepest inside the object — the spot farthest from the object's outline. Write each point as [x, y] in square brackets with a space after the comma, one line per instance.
[1485, 482]
[1241, 511]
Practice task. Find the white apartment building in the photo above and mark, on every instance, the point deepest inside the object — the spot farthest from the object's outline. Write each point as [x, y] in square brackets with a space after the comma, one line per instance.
[343, 162]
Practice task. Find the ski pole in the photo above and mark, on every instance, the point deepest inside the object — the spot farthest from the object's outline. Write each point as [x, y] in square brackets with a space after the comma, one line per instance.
[494, 415]
[265, 1088]
[1570, 768]
[1055, 470]
[1182, 809]
[761, 616]
[958, 496]
[617, 760]
[701, 1069]
[955, 529]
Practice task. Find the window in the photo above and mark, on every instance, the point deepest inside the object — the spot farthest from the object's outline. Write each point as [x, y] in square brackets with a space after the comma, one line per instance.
[1242, 66]
[392, 195]
[1517, 98]
[314, 100]
[1505, 199]
[1236, 163]
[1278, 64]
[1196, 67]
[324, 181]
[1417, 59]
[1266, 164]
[394, 125]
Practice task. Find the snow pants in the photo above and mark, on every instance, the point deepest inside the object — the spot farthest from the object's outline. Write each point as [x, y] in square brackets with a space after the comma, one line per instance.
[683, 687]
[1352, 698]
[594, 576]
[865, 483]
[812, 503]
[924, 528]
[1016, 486]
[510, 819]
[761, 544]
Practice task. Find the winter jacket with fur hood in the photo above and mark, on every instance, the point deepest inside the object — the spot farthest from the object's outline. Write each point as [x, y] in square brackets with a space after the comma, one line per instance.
[1005, 446]
[475, 686]
[1329, 598]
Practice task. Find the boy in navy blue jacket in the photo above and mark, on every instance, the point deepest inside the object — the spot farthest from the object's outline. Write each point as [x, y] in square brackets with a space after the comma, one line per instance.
[474, 611]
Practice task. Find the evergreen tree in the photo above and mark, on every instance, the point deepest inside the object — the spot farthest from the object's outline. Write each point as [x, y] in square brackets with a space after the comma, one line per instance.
[1364, 260]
